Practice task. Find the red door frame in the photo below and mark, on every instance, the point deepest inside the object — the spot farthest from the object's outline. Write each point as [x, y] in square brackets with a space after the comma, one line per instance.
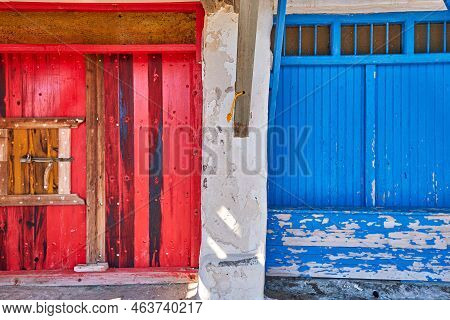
[194, 7]
[108, 7]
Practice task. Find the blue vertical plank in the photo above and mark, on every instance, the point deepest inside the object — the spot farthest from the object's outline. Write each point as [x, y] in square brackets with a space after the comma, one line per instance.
[289, 198]
[341, 103]
[293, 116]
[309, 149]
[431, 135]
[405, 173]
[334, 97]
[380, 167]
[414, 136]
[421, 145]
[358, 134]
[316, 131]
[370, 137]
[348, 139]
[439, 115]
[388, 152]
[325, 123]
[301, 122]
[396, 136]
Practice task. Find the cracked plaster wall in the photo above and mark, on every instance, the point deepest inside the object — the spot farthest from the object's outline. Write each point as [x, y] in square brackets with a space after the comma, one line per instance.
[234, 199]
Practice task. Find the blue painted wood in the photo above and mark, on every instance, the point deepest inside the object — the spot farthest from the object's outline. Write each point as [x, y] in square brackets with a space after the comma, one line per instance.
[279, 35]
[365, 59]
[377, 18]
[412, 155]
[337, 98]
[370, 137]
[335, 39]
[359, 243]
[377, 155]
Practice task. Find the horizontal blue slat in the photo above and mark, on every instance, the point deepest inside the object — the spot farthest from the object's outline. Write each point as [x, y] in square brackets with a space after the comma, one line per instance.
[365, 59]
[395, 17]
[358, 263]
[375, 243]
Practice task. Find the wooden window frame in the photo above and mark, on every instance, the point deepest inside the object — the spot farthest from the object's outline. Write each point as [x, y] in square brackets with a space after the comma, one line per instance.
[64, 195]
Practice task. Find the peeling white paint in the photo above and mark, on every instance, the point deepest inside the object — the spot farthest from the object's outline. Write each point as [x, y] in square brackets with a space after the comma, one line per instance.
[234, 203]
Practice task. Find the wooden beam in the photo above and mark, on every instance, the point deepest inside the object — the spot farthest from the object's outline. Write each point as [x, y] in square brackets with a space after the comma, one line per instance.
[248, 28]
[64, 168]
[40, 123]
[95, 157]
[41, 200]
[3, 161]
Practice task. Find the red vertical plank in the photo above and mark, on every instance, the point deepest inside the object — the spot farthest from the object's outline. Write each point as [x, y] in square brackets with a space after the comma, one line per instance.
[3, 210]
[28, 71]
[112, 132]
[73, 104]
[39, 108]
[196, 123]
[55, 224]
[66, 229]
[141, 164]
[175, 225]
[155, 107]
[126, 121]
[14, 242]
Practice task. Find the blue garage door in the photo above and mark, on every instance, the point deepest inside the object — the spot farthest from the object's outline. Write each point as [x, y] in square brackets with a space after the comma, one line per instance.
[359, 151]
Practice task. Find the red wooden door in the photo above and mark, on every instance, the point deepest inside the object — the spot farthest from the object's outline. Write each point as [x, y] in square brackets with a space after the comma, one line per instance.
[152, 153]
[153, 124]
[45, 85]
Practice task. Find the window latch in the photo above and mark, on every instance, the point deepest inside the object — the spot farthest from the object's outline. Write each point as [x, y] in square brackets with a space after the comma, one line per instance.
[30, 159]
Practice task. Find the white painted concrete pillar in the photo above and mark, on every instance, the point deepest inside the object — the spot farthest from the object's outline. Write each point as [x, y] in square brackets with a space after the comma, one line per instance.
[234, 194]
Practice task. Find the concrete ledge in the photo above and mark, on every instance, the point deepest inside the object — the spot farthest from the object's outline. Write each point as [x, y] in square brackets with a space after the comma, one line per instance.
[283, 288]
[111, 277]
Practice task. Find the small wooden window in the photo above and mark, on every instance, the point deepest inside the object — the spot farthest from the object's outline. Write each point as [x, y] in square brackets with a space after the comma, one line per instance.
[292, 41]
[431, 37]
[307, 40]
[35, 162]
[366, 39]
[348, 40]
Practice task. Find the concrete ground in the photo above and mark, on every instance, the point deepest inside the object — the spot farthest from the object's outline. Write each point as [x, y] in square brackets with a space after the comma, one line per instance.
[127, 292]
[340, 289]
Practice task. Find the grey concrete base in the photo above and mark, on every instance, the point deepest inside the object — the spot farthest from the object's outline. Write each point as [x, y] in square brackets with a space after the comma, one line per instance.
[128, 292]
[340, 289]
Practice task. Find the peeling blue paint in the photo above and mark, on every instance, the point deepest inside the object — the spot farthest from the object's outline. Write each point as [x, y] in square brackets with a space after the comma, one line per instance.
[379, 160]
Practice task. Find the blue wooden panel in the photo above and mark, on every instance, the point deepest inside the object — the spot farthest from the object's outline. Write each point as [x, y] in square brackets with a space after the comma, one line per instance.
[327, 102]
[413, 157]
[365, 244]
[378, 155]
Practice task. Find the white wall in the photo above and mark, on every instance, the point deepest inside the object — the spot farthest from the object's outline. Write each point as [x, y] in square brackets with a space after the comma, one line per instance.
[234, 202]
[362, 6]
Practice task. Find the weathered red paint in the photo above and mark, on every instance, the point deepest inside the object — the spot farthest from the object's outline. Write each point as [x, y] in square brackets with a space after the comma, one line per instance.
[155, 155]
[112, 129]
[100, 7]
[45, 85]
[152, 218]
[141, 167]
[88, 48]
